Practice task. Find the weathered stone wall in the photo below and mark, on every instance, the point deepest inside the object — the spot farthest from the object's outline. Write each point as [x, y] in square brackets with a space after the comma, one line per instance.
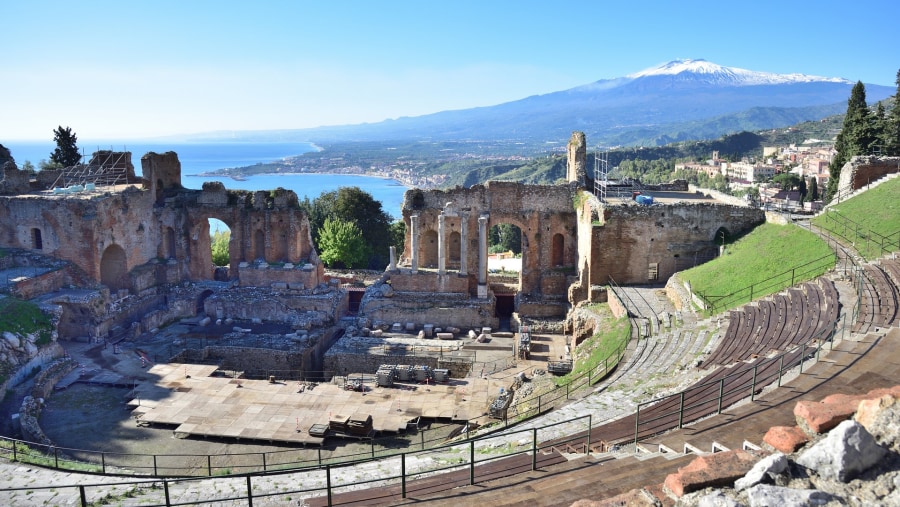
[343, 364]
[719, 196]
[13, 181]
[253, 361]
[860, 171]
[541, 212]
[433, 308]
[628, 239]
[281, 276]
[42, 284]
[425, 281]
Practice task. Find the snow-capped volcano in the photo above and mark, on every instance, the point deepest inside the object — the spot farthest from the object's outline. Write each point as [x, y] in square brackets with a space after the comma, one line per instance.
[712, 73]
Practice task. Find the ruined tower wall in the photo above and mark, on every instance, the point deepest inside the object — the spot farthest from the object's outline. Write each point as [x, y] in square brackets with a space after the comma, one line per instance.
[860, 171]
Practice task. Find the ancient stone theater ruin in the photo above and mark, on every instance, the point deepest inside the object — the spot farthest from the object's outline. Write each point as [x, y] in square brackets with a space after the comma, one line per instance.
[119, 259]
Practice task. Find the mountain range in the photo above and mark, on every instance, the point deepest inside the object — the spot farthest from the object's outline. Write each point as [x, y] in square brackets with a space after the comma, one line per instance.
[680, 100]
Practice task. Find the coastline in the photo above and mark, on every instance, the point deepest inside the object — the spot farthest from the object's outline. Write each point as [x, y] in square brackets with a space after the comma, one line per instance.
[240, 177]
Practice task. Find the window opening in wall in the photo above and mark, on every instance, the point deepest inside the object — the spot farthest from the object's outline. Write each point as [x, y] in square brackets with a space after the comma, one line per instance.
[219, 241]
[653, 272]
[37, 242]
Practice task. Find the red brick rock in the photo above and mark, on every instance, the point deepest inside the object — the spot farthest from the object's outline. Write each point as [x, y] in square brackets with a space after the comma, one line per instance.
[832, 410]
[869, 410]
[712, 470]
[786, 439]
[819, 417]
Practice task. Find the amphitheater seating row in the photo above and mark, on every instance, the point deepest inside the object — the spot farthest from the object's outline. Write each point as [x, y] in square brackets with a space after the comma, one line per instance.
[774, 324]
[879, 298]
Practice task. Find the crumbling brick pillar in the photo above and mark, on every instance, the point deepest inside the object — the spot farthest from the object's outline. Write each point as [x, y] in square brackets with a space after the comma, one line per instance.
[482, 256]
[414, 236]
[442, 262]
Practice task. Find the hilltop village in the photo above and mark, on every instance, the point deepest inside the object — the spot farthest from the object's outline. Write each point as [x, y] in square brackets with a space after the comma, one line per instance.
[120, 262]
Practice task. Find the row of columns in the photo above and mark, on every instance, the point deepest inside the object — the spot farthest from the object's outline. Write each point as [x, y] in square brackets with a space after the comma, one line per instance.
[442, 249]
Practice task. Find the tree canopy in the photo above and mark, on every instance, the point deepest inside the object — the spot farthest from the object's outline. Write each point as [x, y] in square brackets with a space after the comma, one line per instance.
[66, 153]
[352, 204]
[341, 244]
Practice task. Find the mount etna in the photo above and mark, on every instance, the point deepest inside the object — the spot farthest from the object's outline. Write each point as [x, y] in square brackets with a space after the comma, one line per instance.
[680, 100]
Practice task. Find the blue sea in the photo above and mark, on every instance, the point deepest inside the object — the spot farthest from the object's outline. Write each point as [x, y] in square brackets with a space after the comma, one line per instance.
[204, 157]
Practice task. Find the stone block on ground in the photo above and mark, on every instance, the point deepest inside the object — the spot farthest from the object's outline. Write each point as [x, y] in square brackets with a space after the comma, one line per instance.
[713, 470]
[847, 451]
[786, 439]
[764, 494]
[881, 418]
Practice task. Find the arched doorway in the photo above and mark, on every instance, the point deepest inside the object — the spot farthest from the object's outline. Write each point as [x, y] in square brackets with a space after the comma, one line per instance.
[168, 247]
[37, 241]
[114, 268]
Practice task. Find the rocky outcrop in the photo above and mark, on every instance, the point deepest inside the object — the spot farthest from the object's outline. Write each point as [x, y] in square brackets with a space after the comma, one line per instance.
[857, 462]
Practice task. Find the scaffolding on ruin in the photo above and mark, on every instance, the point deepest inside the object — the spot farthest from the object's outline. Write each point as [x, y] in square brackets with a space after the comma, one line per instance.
[609, 184]
[105, 168]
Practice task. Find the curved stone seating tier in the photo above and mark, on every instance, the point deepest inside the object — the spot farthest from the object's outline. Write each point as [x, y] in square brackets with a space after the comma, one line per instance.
[772, 325]
[879, 300]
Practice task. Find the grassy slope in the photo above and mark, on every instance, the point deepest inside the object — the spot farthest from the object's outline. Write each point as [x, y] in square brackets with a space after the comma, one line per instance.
[876, 210]
[766, 252]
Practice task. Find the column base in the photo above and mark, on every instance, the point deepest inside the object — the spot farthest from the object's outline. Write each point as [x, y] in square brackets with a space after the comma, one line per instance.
[482, 291]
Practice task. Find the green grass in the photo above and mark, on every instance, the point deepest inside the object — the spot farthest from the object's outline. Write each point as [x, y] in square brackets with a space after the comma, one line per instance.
[612, 336]
[868, 221]
[765, 261]
[22, 317]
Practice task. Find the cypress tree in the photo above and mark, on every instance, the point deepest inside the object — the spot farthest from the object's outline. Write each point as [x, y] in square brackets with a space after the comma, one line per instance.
[857, 136]
[892, 136]
[66, 152]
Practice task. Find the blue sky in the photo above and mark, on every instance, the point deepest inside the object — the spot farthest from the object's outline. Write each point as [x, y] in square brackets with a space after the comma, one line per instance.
[136, 69]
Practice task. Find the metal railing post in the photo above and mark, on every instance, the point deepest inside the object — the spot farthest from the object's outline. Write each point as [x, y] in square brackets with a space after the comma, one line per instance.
[637, 422]
[328, 483]
[802, 355]
[721, 395]
[753, 384]
[403, 475]
[780, 368]
[471, 463]
[208, 464]
[81, 492]
[249, 493]
[534, 449]
[588, 446]
[681, 411]
[166, 492]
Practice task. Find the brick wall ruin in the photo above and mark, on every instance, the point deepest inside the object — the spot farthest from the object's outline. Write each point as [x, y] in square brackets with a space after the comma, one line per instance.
[860, 171]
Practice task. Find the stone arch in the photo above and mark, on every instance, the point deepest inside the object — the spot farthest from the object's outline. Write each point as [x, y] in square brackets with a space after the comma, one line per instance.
[430, 249]
[114, 268]
[557, 250]
[721, 235]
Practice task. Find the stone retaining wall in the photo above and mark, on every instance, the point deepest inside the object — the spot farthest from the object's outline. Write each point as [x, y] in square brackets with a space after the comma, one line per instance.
[344, 364]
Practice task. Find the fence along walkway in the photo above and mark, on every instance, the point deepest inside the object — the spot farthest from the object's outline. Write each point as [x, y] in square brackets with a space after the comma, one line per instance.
[773, 325]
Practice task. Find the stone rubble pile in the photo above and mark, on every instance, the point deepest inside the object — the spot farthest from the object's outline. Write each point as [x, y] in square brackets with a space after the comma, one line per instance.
[845, 450]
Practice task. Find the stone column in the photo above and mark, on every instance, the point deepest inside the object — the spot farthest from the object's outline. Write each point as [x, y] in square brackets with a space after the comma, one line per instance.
[393, 265]
[482, 256]
[463, 244]
[414, 248]
[442, 262]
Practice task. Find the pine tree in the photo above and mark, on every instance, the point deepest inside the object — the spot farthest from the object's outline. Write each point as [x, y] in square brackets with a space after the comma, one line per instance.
[66, 152]
[856, 137]
[892, 136]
